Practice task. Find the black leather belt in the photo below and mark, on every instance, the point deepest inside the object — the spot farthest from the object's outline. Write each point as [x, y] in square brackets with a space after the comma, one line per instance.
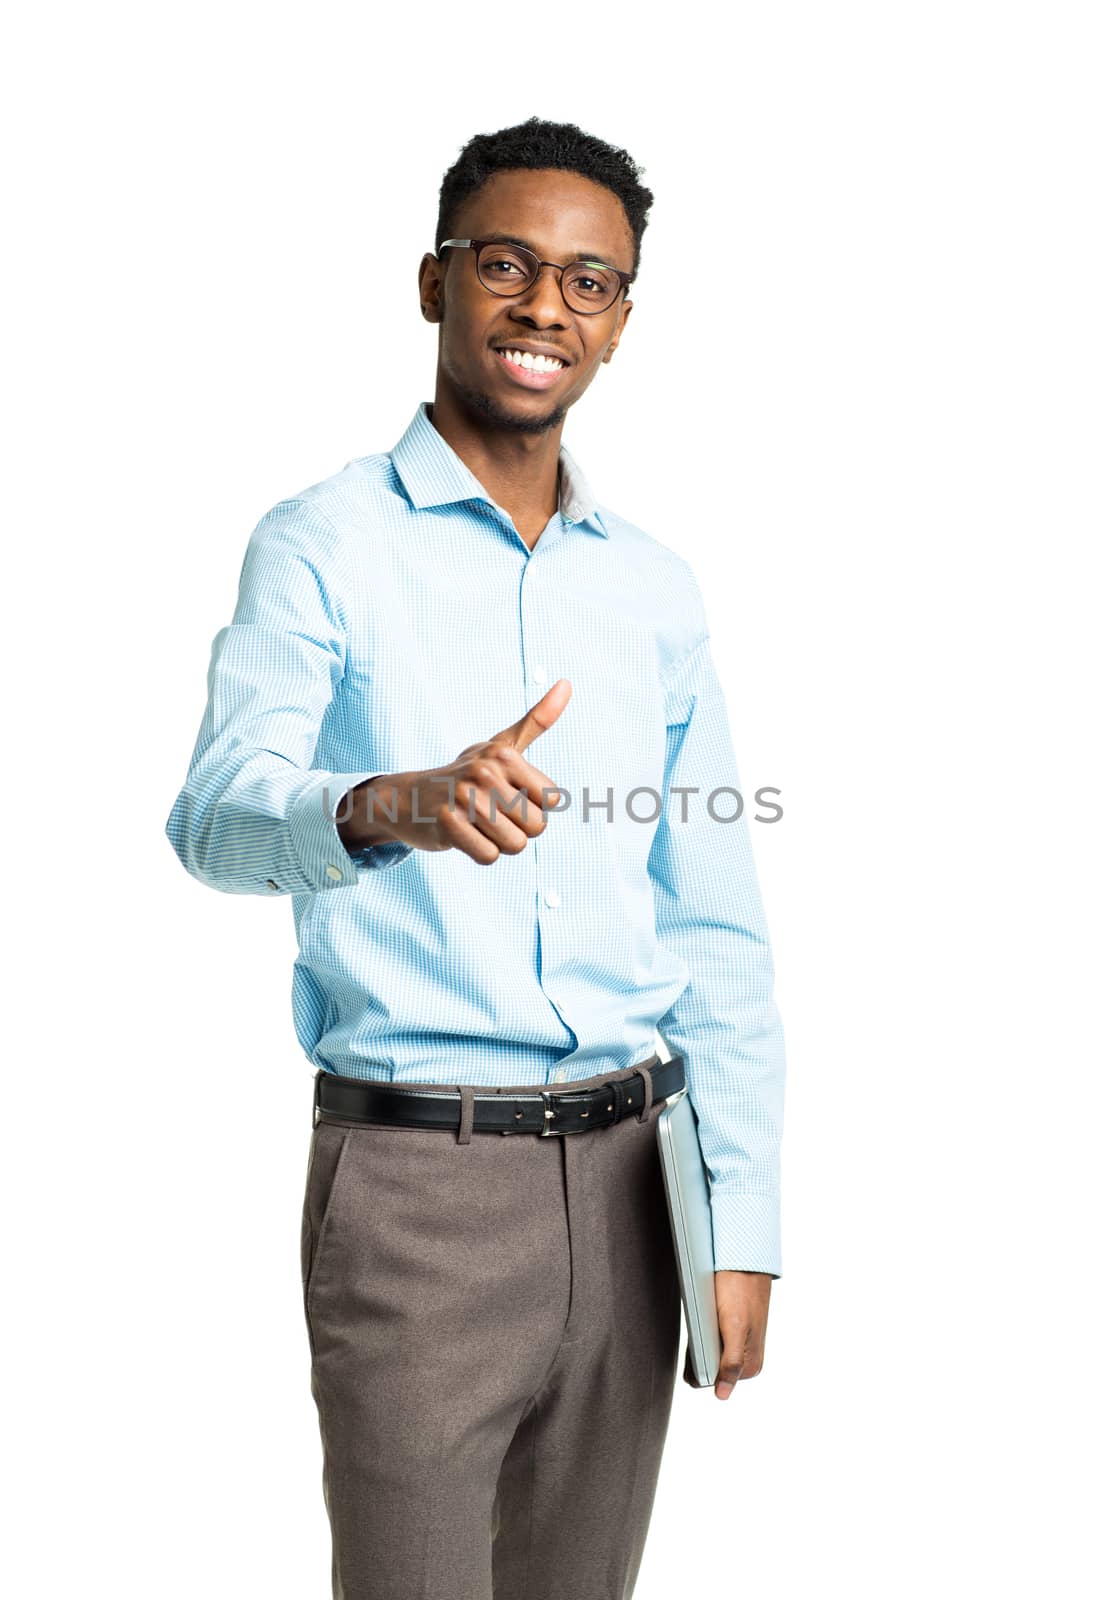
[547, 1112]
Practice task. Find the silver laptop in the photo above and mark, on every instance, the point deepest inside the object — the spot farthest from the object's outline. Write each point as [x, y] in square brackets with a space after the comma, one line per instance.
[686, 1183]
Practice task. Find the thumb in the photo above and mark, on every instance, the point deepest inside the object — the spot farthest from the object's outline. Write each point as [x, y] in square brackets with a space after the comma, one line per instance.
[538, 718]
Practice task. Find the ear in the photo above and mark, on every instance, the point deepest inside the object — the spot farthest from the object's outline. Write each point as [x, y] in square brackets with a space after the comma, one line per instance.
[431, 287]
[625, 309]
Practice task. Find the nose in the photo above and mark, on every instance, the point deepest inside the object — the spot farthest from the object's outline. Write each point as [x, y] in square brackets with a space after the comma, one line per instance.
[542, 305]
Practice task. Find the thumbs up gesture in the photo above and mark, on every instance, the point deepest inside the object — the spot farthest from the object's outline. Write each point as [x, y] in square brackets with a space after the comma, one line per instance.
[486, 803]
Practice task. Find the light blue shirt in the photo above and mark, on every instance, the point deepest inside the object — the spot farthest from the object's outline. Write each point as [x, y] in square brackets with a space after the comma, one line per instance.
[387, 618]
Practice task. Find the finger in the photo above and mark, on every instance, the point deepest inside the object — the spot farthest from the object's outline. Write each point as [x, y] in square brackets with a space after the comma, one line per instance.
[537, 784]
[463, 835]
[735, 1343]
[726, 1379]
[505, 828]
[538, 719]
[488, 789]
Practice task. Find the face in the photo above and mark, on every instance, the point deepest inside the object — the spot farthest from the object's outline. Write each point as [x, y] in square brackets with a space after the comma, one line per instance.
[562, 217]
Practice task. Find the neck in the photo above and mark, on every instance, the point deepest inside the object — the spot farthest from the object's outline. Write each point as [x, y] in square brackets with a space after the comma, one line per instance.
[520, 471]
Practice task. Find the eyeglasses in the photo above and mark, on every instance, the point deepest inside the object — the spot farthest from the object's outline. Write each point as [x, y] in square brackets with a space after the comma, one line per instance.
[509, 269]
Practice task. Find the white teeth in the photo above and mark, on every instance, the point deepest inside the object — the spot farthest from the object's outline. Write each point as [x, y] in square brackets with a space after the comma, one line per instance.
[522, 358]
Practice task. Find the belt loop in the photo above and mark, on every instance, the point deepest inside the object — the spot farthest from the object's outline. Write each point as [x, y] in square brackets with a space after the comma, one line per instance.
[645, 1073]
[316, 1096]
[464, 1132]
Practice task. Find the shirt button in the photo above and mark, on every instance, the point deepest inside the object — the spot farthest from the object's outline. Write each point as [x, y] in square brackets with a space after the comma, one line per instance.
[560, 1075]
[271, 884]
[552, 898]
[334, 874]
[540, 675]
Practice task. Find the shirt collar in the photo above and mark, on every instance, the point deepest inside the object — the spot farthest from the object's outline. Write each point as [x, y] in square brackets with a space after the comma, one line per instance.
[433, 474]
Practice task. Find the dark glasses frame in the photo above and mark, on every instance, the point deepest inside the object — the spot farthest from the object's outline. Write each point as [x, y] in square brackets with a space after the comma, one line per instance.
[625, 278]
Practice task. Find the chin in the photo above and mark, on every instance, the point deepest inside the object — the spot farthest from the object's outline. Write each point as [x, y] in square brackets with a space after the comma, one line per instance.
[485, 405]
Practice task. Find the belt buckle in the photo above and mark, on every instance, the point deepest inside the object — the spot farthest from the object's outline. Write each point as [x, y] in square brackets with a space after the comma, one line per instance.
[547, 1096]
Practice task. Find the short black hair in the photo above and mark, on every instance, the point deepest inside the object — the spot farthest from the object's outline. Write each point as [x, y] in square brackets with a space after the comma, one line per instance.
[537, 143]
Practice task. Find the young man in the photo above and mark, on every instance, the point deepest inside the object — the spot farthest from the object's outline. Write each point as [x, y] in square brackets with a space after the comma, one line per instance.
[467, 717]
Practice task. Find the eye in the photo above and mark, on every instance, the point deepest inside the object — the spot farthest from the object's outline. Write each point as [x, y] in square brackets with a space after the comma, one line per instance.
[590, 282]
[498, 261]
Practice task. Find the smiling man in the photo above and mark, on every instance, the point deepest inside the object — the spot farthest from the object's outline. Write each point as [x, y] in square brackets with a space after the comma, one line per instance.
[491, 941]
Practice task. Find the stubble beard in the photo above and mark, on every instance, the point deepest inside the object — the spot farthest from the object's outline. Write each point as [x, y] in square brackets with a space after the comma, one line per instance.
[484, 405]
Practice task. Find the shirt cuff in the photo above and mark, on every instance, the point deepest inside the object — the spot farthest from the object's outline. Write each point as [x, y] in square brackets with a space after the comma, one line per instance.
[746, 1232]
[321, 855]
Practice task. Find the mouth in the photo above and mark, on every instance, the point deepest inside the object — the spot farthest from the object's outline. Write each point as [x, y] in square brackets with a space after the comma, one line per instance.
[530, 371]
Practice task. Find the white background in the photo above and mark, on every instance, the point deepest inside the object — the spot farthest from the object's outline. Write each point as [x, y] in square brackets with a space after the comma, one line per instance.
[857, 393]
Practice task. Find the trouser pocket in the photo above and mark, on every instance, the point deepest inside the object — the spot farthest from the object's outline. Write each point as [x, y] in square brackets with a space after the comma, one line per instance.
[327, 1149]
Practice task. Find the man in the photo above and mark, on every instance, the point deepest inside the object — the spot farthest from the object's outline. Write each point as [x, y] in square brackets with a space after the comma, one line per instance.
[494, 1321]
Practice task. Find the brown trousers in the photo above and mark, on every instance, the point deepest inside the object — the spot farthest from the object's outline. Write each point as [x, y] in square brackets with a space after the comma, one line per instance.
[494, 1328]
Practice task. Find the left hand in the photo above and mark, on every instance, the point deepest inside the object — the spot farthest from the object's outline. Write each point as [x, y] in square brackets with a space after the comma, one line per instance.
[742, 1306]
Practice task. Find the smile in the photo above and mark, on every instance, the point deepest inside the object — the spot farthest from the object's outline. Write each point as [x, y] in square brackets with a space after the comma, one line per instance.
[534, 372]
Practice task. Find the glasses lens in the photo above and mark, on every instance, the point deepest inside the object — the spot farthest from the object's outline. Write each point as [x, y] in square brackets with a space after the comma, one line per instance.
[588, 287]
[505, 269]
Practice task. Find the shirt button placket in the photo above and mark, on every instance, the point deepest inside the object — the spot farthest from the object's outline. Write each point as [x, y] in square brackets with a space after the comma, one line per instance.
[536, 633]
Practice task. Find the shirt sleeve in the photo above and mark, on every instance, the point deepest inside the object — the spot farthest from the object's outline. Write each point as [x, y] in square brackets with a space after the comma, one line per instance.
[254, 816]
[725, 1023]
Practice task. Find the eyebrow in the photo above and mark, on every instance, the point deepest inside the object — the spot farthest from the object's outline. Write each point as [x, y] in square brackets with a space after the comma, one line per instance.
[588, 257]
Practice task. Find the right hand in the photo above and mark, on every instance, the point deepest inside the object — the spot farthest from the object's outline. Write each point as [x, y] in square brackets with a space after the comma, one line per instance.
[450, 808]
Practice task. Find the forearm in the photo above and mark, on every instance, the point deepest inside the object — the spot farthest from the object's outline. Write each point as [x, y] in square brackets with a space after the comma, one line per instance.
[254, 815]
[727, 1028]
[724, 1023]
[260, 825]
